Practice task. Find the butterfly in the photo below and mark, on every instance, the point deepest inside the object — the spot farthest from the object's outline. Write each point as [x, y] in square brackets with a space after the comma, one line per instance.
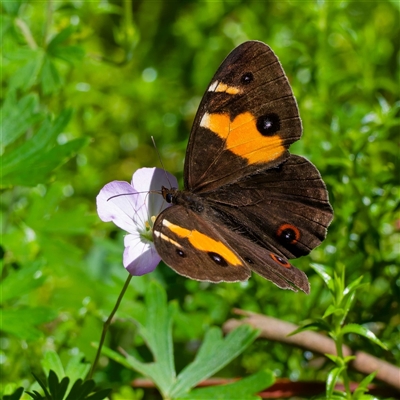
[247, 203]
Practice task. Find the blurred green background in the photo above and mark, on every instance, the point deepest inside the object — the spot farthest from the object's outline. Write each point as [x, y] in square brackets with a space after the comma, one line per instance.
[84, 87]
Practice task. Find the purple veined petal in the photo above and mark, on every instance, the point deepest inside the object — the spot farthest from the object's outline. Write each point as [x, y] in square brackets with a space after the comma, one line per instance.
[122, 209]
[140, 256]
[147, 180]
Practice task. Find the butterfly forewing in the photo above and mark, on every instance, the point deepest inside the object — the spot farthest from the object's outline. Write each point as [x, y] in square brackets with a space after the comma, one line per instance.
[246, 121]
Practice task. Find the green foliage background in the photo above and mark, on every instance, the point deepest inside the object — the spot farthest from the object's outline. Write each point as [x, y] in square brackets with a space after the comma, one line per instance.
[84, 87]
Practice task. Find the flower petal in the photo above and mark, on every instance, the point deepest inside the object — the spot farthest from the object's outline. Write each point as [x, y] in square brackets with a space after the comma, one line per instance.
[122, 209]
[149, 181]
[140, 256]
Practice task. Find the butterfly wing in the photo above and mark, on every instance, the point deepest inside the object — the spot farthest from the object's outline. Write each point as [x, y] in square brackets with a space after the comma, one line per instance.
[194, 248]
[246, 121]
[199, 249]
[284, 209]
[267, 263]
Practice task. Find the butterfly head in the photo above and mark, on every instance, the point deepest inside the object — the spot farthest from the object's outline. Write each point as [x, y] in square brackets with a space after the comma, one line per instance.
[169, 194]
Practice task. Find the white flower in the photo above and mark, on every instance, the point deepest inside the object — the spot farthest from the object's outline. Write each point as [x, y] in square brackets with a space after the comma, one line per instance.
[133, 208]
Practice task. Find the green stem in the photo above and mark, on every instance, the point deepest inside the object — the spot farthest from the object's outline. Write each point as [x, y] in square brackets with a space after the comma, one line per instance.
[106, 325]
[339, 352]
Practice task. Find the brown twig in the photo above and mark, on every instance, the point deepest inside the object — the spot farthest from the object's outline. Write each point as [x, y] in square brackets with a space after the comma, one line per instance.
[277, 330]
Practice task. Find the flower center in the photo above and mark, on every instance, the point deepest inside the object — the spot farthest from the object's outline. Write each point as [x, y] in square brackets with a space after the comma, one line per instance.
[147, 232]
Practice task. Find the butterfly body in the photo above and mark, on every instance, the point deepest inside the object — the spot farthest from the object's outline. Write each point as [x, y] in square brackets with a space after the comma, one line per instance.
[247, 205]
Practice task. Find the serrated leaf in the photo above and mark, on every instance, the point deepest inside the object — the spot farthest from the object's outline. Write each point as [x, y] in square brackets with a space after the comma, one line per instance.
[214, 354]
[244, 389]
[362, 331]
[22, 281]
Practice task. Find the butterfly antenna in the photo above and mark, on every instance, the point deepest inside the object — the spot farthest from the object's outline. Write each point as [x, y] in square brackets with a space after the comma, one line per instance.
[162, 164]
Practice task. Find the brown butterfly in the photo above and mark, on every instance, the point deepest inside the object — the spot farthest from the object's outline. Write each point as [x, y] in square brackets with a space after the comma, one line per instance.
[247, 204]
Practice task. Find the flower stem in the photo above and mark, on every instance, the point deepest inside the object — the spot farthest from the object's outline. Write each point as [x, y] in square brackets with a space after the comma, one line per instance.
[106, 326]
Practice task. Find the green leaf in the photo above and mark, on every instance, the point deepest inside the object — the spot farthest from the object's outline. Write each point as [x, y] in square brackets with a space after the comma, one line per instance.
[22, 281]
[354, 285]
[331, 381]
[76, 368]
[16, 118]
[14, 396]
[244, 389]
[34, 172]
[214, 354]
[43, 386]
[340, 362]
[332, 309]
[312, 325]
[336, 359]
[21, 322]
[49, 77]
[346, 304]
[81, 389]
[12, 7]
[157, 333]
[52, 362]
[26, 76]
[100, 395]
[60, 37]
[321, 271]
[33, 149]
[57, 388]
[362, 388]
[361, 330]
[66, 53]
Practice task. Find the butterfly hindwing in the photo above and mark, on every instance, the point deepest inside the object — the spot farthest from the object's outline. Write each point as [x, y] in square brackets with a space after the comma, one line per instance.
[285, 209]
[200, 248]
[246, 121]
[192, 247]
